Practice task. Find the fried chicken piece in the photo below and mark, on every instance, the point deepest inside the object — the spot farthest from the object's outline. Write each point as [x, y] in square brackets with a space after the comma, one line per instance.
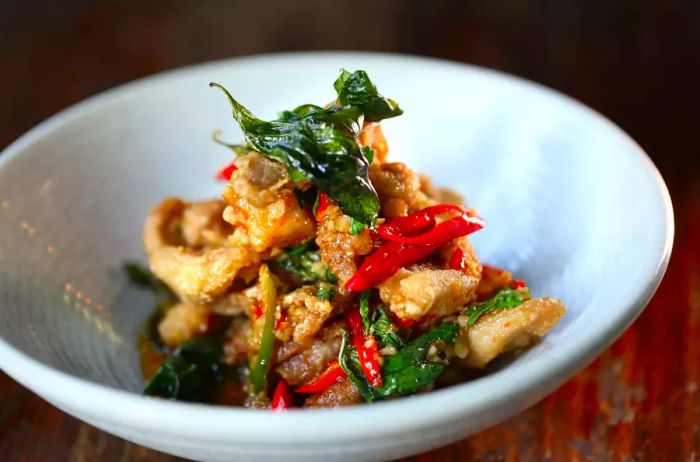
[396, 185]
[202, 224]
[511, 329]
[425, 289]
[261, 199]
[342, 393]
[305, 312]
[183, 321]
[313, 358]
[338, 246]
[195, 273]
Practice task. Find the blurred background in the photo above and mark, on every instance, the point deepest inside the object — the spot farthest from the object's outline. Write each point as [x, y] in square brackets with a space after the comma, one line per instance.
[635, 61]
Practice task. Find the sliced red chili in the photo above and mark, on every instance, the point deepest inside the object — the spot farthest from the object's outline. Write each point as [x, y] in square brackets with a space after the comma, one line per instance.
[328, 378]
[404, 323]
[257, 309]
[384, 262]
[442, 232]
[282, 399]
[225, 173]
[280, 321]
[457, 260]
[415, 222]
[518, 284]
[323, 202]
[367, 349]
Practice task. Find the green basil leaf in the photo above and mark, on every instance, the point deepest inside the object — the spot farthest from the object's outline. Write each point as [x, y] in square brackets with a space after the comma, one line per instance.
[190, 373]
[357, 90]
[303, 263]
[409, 380]
[384, 331]
[369, 154]
[320, 143]
[503, 299]
[327, 293]
[416, 351]
[350, 363]
[365, 310]
[356, 227]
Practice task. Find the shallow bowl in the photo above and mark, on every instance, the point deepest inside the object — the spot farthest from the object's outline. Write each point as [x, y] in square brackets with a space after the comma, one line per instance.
[574, 206]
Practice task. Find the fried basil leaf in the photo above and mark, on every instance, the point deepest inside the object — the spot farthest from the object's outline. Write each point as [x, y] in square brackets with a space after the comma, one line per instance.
[385, 332]
[502, 300]
[356, 89]
[319, 144]
[190, 373]
[416, 351]
[327, 292]
[404, 373]
[303, 263]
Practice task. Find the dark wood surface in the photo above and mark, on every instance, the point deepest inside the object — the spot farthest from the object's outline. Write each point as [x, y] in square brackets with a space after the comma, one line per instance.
[638, 62]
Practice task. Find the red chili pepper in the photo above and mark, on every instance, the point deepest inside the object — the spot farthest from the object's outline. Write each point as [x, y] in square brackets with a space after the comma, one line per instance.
[442, 232]
[323, 203]
[367, 349]
[384, 262]
[281, 400]
[257, 309]
[226, 172]
[416, 221]
[278, 325]
[457, 260]
[518, 284]
[404, 323]
[328, 378]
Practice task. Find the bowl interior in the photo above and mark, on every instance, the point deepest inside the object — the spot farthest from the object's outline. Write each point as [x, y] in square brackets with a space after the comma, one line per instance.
[573, 205]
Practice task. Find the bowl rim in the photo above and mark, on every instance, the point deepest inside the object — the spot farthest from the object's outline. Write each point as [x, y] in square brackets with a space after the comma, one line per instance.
[210, 422]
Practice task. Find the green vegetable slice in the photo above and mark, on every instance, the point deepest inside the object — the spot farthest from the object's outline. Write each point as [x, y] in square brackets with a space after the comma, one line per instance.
[261, 362]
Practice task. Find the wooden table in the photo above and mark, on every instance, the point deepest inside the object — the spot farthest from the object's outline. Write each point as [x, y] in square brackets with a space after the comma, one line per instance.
[637, 62]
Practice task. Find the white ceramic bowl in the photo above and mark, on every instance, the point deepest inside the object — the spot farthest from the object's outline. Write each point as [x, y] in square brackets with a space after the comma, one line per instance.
[573, 204]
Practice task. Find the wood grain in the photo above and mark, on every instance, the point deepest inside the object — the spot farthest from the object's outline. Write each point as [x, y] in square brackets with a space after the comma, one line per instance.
[638, 62]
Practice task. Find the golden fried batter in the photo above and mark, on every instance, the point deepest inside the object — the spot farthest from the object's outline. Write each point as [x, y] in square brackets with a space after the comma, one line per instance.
[261, 199]
[199, 273]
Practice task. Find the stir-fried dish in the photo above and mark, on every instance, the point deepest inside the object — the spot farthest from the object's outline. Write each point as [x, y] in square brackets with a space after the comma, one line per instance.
[326, 275]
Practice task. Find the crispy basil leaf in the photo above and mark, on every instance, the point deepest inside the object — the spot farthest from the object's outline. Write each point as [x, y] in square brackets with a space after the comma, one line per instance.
[190, 373]
[410, 380]
[303, 263]
[502, 300]
[356, 227]
[350, 363]
[365, 309]
[385, 332]
[322, 146]
[319, 144]
[369, 153]
[416, 351]
[404, 373]
[327, 292]
[356, 89]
